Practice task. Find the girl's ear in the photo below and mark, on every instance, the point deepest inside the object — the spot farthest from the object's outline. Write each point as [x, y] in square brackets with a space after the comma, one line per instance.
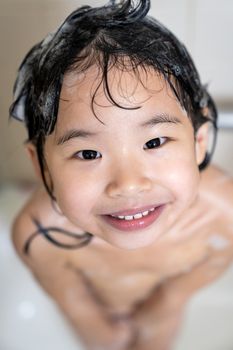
[201, 142]
[31, 151]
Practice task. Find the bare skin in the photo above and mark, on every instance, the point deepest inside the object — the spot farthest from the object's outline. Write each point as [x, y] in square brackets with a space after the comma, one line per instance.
[132, 299]
[127, 289]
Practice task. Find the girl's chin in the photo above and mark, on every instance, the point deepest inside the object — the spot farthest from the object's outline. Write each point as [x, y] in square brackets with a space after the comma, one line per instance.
[132, 242]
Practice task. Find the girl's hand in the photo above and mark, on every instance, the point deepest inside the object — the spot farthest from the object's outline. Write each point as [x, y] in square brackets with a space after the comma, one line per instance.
[120, 337]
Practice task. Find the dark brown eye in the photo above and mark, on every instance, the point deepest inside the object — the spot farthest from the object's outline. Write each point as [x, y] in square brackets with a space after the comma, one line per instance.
[88, 155]
[155, 143]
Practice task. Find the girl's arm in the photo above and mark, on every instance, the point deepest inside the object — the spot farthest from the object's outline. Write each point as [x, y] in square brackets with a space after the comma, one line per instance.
[51, 269]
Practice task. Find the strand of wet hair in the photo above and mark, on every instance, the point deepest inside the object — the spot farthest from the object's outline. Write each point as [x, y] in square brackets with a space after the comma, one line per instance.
[44, 231]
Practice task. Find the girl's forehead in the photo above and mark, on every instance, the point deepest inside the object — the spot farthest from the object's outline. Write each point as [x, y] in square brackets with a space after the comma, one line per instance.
[129, 99]
[89, 93]
[118, 82]
[92, 91]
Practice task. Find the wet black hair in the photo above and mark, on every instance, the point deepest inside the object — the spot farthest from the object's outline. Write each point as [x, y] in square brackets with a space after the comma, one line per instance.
[105, 36]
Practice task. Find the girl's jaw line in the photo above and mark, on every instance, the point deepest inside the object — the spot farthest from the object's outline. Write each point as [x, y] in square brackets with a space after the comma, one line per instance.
[128, 223]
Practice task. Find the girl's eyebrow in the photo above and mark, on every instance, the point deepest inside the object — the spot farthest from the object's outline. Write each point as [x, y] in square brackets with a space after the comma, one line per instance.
[74, 133]
[163, 118]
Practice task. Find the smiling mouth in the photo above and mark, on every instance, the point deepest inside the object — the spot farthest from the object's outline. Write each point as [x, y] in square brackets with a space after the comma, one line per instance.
[133, 220]
[136, 216]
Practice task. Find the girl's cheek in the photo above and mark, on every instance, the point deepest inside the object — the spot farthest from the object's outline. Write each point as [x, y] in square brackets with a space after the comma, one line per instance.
[183, 178]
[77, 193]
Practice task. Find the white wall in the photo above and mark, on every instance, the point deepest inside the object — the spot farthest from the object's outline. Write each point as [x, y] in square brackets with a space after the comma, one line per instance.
[206, 27]
[203, 25]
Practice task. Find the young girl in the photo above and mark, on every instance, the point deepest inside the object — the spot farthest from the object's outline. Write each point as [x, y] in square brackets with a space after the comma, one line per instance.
[124, 228]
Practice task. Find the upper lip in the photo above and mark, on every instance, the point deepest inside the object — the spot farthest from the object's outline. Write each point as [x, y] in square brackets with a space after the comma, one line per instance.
[134, 211]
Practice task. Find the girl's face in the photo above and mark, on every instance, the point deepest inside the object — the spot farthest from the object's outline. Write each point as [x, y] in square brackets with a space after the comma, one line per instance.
[125, 175]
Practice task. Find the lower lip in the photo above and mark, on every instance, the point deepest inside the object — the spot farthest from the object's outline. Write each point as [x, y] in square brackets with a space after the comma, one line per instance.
[135, 224]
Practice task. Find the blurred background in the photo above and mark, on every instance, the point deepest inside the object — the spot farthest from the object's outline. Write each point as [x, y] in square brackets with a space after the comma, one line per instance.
[28, 318]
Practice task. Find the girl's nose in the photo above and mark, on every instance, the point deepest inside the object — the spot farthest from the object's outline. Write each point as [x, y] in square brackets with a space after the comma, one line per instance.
[128, 182]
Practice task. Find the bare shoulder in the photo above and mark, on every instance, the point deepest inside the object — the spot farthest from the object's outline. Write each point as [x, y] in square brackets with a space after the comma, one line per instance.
[37, 207]
[51, 266]
[216, 193]
[216, 183]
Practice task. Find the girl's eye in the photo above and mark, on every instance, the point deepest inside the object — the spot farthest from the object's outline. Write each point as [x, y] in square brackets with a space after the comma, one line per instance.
[155, 143]
[88, 155]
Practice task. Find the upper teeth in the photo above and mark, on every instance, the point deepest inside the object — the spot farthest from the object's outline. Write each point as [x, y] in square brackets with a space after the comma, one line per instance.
[135, 216]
